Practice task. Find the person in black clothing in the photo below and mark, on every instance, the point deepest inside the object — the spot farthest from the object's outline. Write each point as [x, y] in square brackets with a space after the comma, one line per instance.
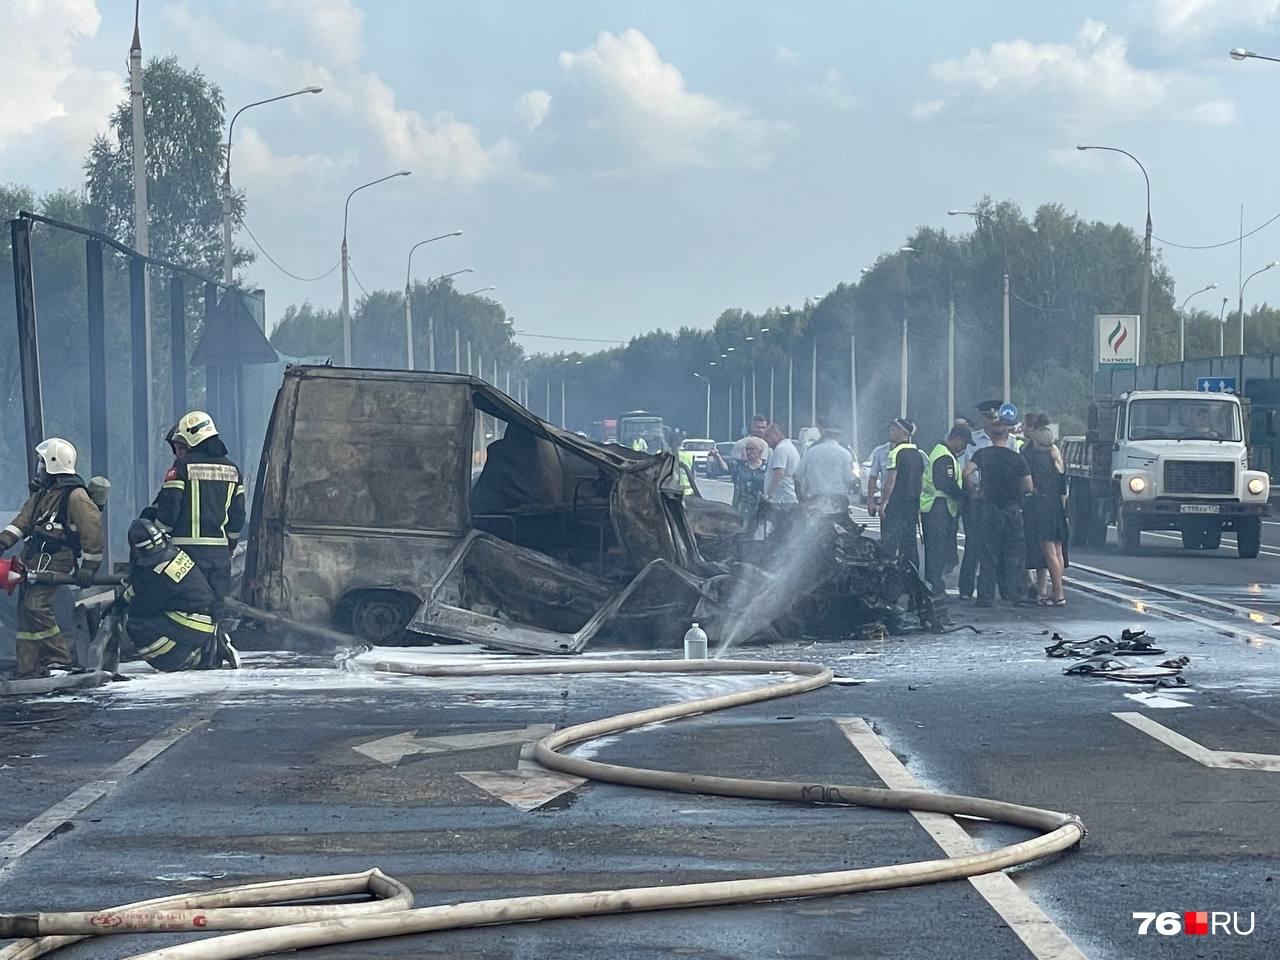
[999, 477]
[170, 603]
[202, 501]
[1045, 514]
[904, 480]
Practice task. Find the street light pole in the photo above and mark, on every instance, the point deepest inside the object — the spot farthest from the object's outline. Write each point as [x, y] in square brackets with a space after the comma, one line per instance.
[346, 299]
[1143, 332]
[902, 394]
[1182, 320]
[853, 391]
[1222, 326]
[228, 256]
[1273, 263]
[951, 357]
[408, 308]
[707, 382]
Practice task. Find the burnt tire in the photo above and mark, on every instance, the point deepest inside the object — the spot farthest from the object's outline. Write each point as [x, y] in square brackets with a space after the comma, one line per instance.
[379, 616]
[1249, 537]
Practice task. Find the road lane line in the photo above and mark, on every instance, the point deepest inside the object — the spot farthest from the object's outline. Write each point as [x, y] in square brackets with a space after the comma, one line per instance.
[1215, 759]
[27, 837]
[1039, 934]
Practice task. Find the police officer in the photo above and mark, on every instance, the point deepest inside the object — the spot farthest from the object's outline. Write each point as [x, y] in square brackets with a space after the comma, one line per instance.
[202, 500]
[940, 499]
[904, 481]
[170, 603]
[62, 530]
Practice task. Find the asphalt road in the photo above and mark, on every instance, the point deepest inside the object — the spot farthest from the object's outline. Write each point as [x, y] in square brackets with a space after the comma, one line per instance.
[293, 768]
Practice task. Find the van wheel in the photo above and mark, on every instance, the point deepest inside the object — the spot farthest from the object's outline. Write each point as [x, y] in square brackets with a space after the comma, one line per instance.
[378, 616]
[1129, 533]
[1249, 537]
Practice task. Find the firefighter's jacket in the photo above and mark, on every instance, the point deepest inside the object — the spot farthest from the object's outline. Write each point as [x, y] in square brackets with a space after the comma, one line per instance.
[202, 501]
[60, 521]
[175, 588]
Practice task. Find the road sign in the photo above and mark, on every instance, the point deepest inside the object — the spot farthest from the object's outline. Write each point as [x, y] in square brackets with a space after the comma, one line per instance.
[1216, 384]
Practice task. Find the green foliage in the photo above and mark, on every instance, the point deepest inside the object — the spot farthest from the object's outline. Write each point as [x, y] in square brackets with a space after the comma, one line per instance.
[185, 157]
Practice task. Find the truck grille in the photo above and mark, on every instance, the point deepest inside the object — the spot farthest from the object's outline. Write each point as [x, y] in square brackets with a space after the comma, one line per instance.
[1216, 477]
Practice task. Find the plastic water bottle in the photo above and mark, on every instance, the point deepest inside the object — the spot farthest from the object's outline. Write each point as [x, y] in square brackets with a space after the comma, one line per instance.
[695, 644]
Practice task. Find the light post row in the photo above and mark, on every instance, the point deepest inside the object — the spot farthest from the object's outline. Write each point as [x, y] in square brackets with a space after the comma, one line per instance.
[346, 298]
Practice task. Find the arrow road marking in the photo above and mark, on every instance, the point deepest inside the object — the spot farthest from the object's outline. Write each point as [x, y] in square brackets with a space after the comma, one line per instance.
[526, 787]
[1215, 759]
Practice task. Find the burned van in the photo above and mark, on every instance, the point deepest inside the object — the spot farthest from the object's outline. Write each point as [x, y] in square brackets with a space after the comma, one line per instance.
[374, 484]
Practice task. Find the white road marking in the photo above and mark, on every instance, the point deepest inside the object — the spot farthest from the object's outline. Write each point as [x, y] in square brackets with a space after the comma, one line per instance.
[1042, 936]
[1254, 616]
[391, 750]
[1215, 759]
[25, 838]
[526, 787]
[1265, 549]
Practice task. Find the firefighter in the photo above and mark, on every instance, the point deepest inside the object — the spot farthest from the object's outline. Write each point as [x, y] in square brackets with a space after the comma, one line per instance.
[62, 530]
[202, 500]
[170, 603]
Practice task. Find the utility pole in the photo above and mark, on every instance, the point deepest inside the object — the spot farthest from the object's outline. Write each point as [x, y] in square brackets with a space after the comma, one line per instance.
[141, 210]
[408, 326]
[457, 351]
[563, 422]
[771, 393]
[951, 359]
[469, 368]
[853, 391]
[813, 383]
[791, 378]
[1008, 394]
[431, 342]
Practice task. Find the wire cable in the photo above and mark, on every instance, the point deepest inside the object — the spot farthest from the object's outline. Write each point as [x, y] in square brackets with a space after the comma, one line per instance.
[357, 278]
[275, 263]
[547, 336]
[1214, 246]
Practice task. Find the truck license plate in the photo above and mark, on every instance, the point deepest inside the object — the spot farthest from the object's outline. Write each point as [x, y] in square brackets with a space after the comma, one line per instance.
[1199, 508]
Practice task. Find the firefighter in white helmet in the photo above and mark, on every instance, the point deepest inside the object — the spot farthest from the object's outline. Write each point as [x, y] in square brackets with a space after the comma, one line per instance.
[61, 529]
[202, 500]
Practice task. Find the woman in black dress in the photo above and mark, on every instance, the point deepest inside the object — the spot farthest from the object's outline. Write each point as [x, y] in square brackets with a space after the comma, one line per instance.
[1044, 513]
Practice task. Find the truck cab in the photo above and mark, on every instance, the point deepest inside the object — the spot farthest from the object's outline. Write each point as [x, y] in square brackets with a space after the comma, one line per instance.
[1167, 460]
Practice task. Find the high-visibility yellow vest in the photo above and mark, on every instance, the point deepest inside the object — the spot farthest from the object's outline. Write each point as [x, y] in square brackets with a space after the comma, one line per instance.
[928, 492]
[686, 471]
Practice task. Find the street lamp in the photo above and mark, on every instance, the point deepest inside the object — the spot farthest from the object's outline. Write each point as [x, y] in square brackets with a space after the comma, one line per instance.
[1143, 333]
[707, 381]
[1222, 326]
[346, 302]
[228, 261]
[408, 308]
[980, 217]
[481, 290]
[1182, 320]
[1273, 263]
[1240, 53]
[902, 396]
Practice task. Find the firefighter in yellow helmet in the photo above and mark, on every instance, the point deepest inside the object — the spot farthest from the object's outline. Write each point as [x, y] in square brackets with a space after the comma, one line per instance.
[202, 500]
[61, 528]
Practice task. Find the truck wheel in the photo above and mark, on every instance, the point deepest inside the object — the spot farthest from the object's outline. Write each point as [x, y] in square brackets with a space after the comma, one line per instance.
[1193, 536]
[1212, 538]
[1249, 537]
[1129, 533]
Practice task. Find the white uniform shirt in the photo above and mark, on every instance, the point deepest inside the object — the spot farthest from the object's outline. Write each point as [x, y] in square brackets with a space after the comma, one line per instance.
[825, 470]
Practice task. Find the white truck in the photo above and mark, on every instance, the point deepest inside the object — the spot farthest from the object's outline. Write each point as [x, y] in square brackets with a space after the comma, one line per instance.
[1166, 460]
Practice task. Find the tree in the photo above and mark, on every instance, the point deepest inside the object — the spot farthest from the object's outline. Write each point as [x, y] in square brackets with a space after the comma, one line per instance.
[184, 122]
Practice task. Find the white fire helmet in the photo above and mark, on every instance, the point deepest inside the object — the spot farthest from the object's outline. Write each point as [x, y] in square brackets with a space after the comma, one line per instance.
[195, 428]
[57, 456]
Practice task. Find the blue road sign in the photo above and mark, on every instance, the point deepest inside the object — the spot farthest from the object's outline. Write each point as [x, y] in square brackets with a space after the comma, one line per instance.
[1216, 384]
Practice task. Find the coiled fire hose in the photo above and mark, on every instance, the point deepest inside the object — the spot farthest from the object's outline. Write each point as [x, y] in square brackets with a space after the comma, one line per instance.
[271, 929]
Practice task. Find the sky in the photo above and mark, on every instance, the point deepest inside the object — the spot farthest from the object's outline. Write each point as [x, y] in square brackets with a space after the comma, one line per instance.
[621, 166]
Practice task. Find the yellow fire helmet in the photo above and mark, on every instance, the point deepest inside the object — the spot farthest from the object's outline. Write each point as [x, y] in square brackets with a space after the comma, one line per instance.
[195, 428]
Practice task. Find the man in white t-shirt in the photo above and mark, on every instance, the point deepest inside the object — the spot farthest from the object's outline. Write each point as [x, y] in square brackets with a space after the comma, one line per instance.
[780, 481]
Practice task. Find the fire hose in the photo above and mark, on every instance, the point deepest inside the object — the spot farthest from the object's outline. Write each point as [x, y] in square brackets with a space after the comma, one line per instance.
[266, 929]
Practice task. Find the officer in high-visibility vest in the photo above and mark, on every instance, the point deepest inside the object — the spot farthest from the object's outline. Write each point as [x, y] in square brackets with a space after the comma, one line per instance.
[940, 499]
[685, 466]
[202, 500]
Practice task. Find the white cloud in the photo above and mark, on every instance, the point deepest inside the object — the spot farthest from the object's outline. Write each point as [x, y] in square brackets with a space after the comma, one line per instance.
[642, 101]
[1181, 19]
[50, 92]
[834, 92]
[925, 109]
[252, 158]
[355, 100]
[1091, 77]
[786, 56]
[532, 108]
